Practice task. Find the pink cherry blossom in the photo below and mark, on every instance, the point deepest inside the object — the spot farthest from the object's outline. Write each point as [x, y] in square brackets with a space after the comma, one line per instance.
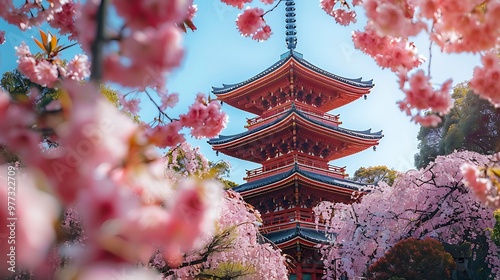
[64, 20]
[205, 120]
[394, 19]
[328, 5]
[388, 52]
[110, 270]
[421, 96]
[2, 37]
[35, 213]
[486, 80]
[344, 17]
[357, 2]
[236, 3]
[166, 135]
[78, 68]
[463, 27]
[268, 2]
[160, 50]
[250, 21]
[191, 12]
[431, 202]
[427, 120]
[27, 66]
[169, 100]
[14, 133]
[263, 33]
[130, 105]
[22, 50]
[23, 17]
[152, 13]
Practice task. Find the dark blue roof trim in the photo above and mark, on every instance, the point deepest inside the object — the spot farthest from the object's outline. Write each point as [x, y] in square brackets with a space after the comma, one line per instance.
[289, 234]
[308, 174]
[354, 82]
[366, 134]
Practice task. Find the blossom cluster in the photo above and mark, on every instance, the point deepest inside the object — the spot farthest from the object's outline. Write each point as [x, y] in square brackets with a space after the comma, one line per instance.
[204, 118]
[468, 26]
[236, 240]
[483, 181]
[31, 13]
[46, 72]
[241, 3]
[342, 16]
[104, 160]
[251, 23]
[389, 52]
[485, 80]
[239, 222]
[421, 96]
[432, 202]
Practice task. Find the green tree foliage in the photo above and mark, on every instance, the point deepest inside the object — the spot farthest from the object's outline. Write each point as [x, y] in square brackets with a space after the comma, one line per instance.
[473, 124]
[223, 169]
[188, 160]
[496, 229]
[18, 86]
[374, 174]
[414, 259]
[227, 271]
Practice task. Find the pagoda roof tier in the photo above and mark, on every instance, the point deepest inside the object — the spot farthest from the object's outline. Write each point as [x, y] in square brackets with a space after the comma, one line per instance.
[295, 131]
[292, 78]
[333, 185]
[308, 237]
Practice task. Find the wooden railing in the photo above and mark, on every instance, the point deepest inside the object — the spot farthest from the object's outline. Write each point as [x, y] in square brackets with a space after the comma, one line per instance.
[307, 165]
[289, 218]
[273, 114]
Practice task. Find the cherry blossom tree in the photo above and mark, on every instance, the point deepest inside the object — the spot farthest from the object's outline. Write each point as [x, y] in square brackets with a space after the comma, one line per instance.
[432, 202]
[236, 249]
[106, 166]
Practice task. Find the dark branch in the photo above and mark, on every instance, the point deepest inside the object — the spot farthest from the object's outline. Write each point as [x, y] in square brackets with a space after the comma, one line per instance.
[98, 44]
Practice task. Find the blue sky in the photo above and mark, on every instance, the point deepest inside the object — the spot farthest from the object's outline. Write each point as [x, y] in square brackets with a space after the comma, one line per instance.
[217, 54]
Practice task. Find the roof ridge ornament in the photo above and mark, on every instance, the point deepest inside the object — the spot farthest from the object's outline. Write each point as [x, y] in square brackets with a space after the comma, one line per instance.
[290, 27]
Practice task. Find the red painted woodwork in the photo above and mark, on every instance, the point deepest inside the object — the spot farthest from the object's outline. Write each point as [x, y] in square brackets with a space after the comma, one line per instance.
[294, 138]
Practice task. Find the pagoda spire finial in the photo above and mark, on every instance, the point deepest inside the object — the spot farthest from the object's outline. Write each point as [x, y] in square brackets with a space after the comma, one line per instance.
[291, 32]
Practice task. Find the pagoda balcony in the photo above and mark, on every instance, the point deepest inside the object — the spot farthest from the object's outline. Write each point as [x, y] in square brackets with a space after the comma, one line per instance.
[274, 113]
[283, 166]
[289, 218]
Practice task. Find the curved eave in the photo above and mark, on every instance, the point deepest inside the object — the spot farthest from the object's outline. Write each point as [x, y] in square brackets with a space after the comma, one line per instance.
[330, 184]
[240, 137]
[363, 139]
[309, 237]
[353, 82]
[229, 93]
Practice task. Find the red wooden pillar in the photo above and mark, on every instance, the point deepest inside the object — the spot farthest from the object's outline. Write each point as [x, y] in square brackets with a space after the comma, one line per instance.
[298, 270]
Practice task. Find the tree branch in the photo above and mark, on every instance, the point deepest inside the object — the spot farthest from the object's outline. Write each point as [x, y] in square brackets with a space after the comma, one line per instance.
[98, 44]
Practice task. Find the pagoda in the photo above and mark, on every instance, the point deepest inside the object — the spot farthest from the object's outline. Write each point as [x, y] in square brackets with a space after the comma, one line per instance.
[294, 139]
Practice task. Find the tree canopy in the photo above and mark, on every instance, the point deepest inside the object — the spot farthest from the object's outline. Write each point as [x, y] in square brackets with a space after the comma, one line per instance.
[414, 259]
[431, 202]
[473, 124]
[374, 174]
